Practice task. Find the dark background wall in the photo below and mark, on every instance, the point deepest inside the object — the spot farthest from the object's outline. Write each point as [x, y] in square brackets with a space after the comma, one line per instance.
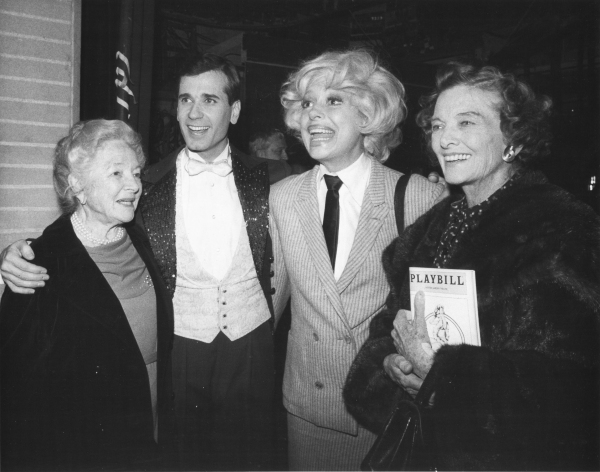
[100, 41]
[553, 44]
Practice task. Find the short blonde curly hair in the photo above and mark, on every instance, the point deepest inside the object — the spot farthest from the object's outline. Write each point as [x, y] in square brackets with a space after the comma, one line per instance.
[377, 94]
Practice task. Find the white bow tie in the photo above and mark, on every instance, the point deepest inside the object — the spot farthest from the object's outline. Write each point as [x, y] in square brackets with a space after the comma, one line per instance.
[194, 167]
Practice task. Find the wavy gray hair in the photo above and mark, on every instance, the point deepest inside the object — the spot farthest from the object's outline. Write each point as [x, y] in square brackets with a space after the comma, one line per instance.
[74, 153]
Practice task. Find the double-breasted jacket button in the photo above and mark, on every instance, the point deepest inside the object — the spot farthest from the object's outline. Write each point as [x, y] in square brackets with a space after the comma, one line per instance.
[348, 339]
[272, 273]
[271, 259]
[272, 290]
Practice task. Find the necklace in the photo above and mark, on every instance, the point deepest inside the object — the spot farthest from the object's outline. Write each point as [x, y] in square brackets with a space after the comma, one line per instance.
[83, 231]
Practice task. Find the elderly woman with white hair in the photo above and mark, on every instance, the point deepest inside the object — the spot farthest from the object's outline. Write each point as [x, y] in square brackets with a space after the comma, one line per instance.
[329, 227]
[85, 359]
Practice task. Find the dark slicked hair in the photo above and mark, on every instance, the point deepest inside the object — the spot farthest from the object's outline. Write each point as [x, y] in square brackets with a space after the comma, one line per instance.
[524, 116]
[211, 62]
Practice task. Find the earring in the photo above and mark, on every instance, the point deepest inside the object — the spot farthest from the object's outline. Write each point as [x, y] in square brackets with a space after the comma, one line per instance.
[81, 199]
[509, 154]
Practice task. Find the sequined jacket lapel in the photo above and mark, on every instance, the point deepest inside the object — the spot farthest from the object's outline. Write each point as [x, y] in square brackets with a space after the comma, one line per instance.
[157, 214]
[253, 189]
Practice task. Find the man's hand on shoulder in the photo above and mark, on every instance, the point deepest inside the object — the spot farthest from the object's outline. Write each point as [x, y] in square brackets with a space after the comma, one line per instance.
[436, 178]
[21, 276]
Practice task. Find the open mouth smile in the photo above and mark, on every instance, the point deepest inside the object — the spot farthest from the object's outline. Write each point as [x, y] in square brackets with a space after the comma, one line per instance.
[456, 157]
[126, 201]
[197, 129]
[319, 133]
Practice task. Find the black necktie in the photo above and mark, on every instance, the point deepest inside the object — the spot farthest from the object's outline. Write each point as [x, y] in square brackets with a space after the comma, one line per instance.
[331, 219]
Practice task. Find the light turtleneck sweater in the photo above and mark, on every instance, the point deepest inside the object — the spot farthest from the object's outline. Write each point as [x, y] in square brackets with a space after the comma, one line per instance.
[129, 279]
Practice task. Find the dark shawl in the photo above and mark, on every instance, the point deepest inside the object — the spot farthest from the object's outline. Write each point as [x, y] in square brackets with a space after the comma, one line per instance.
[75, 392]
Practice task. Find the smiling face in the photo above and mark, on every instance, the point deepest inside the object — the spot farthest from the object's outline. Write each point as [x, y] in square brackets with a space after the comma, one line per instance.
[204, 113]
[468, 142]
[329, 125]
[111, 187]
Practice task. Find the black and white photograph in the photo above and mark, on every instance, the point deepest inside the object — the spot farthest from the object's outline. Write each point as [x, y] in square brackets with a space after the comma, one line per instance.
[299, 235]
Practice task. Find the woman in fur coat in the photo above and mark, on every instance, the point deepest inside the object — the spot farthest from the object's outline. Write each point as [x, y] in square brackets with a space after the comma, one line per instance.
[527, 398]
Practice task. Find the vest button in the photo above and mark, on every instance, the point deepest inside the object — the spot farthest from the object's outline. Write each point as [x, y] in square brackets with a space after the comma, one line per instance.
[319, 385]
[316, 336]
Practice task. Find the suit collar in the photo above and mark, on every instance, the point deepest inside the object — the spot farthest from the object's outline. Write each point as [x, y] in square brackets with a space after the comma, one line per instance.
[308, 188]
[157, 171]
[355, 177]
[247, 161]
[376, 190]
[163, 169]
[373, 213]
[252, 183]
[378, 187]
[307, 209]
[158, 210]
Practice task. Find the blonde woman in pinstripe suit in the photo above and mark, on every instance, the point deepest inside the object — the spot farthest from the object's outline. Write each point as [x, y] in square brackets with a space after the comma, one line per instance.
[346, 109]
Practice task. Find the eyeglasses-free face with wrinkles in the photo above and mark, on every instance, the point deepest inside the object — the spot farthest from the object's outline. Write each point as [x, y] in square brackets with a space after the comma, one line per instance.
[468, 142]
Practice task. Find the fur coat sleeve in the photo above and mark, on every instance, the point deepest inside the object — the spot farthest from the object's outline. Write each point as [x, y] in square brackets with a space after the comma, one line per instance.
[528, 397]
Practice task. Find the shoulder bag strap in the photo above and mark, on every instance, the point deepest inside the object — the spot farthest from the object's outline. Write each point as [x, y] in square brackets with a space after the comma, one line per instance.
[399, 201]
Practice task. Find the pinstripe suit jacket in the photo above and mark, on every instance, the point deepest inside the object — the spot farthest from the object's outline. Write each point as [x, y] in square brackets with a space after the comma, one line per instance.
[330, 319]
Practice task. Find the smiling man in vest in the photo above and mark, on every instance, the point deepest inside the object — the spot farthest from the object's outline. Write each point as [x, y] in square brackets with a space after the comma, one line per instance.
[205, 211]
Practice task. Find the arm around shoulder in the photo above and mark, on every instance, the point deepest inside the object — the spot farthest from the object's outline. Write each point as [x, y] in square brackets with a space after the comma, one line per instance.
[21, 276]
[421, 196]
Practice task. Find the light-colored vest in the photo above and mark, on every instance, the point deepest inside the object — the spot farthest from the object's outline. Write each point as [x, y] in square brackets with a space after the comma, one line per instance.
[204, 305]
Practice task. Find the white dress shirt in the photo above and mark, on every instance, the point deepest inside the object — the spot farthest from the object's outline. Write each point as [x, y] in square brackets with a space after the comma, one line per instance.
[212, 213]
[355, 179]
[217, 289]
